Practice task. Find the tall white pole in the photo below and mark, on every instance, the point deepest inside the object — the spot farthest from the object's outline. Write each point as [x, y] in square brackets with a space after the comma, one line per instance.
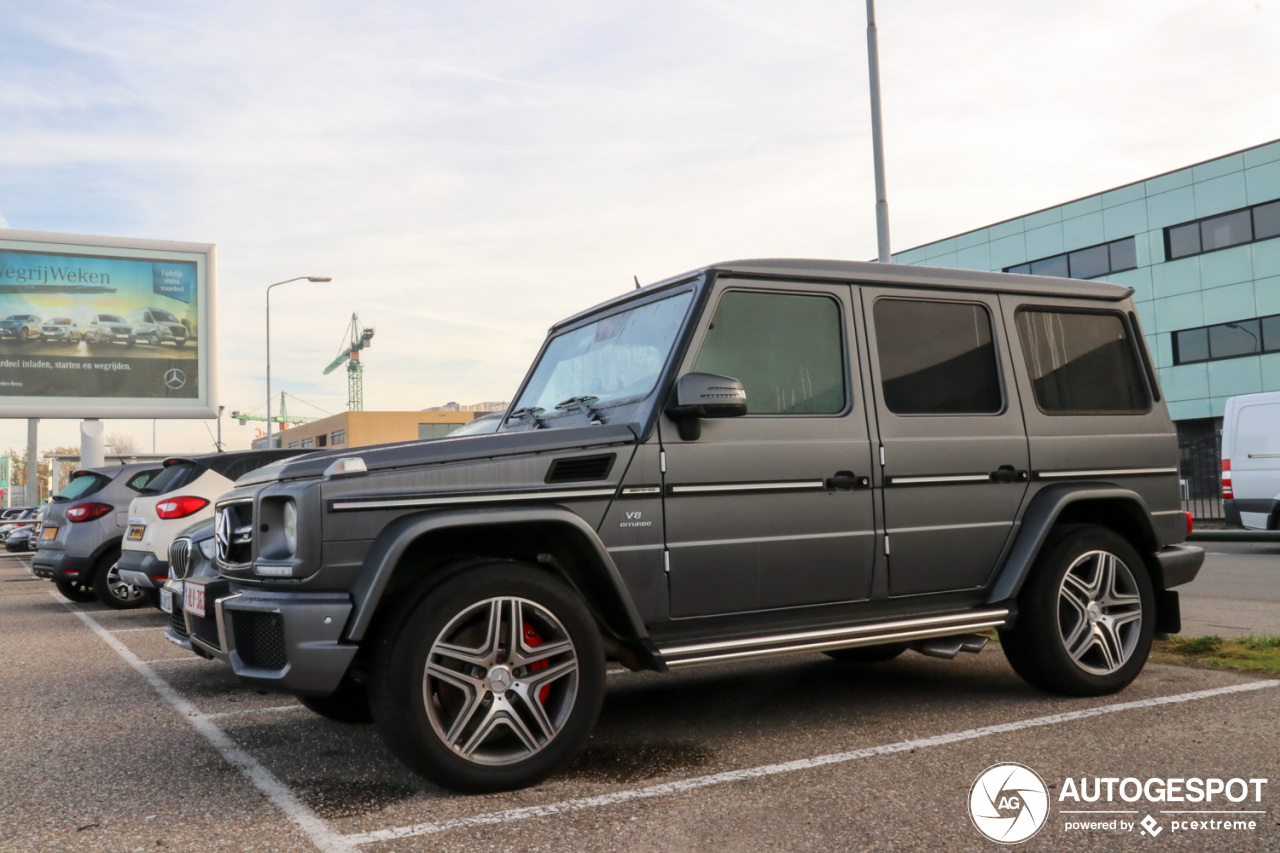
[269, 286]
[877, 138]
[32, 488]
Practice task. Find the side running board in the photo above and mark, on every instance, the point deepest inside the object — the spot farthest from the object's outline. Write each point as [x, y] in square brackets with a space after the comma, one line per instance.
[901, 631]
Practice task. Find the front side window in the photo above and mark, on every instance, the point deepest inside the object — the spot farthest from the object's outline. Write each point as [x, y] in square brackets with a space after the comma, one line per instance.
[786, 349]
[1081, 363]
[607, 363]
[937, 358]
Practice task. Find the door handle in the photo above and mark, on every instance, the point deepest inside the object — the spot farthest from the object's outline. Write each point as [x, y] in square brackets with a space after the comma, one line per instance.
[1007, 474]
[844, 481]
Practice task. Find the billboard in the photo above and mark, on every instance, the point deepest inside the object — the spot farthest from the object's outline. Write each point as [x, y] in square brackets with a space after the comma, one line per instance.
[105, 327]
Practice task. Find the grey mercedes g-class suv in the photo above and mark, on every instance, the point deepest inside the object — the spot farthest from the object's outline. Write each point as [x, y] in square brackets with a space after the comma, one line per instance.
[752, 459]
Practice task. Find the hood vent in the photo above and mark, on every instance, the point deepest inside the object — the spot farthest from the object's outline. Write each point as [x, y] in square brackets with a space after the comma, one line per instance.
[579, 468]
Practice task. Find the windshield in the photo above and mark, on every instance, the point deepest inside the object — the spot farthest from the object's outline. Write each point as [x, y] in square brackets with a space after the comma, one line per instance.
[614, 360]
[85, 484]
[163, 316]
[109, 318]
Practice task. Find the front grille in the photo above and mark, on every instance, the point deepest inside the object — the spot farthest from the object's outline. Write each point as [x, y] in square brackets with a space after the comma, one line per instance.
[180, 558]
[259, 639]
[233, 533]
[178, 623]
[205, 629]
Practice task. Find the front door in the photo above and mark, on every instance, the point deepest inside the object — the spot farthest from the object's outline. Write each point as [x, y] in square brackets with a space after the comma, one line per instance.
[954, 443]
[773, 509]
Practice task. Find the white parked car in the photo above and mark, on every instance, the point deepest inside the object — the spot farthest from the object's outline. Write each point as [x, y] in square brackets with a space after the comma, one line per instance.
[179, 496]
[1251, 460]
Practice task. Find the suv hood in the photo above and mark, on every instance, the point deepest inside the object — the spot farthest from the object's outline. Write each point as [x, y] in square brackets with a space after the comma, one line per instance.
[410, 454]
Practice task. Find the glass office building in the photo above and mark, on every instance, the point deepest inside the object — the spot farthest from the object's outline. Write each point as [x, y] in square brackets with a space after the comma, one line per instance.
[1200, 246]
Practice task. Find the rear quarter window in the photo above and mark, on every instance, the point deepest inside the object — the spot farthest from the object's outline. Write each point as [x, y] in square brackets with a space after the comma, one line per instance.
[1081, 363]
[173, 477]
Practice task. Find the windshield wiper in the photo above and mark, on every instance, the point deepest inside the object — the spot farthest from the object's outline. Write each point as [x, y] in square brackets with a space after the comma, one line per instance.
[584, 403]
[530, 412]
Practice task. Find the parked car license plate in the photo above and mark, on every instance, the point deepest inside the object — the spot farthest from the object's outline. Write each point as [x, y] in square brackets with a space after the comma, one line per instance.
[166, 601]
[136, 531]
[49, 533]
[193, 598]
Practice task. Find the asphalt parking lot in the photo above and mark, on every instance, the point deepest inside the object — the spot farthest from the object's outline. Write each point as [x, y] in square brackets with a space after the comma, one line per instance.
[115, 739]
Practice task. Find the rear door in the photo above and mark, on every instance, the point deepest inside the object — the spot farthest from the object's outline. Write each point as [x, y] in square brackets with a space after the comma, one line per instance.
[774, 509]
[952, 436]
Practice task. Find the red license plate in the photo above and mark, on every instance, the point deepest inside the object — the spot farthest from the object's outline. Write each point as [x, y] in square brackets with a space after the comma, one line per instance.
[193, 598]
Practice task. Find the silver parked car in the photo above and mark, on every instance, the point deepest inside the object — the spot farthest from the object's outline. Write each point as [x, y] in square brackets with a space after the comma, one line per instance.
[83, 528]
[156, 326]
[20, 327]
[60, 329]
[109, 328]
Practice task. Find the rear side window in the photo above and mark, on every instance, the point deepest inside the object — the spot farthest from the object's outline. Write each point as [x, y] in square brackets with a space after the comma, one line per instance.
[786, 349]
[174, 476]
[1081, 363]
[82, 486]
[139, 481]
[937, 358]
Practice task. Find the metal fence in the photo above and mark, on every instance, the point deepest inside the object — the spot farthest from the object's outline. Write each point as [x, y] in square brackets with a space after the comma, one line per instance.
[1200, 467]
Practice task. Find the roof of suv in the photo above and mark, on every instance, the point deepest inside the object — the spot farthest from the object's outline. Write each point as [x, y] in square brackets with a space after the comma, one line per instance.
[898, 275]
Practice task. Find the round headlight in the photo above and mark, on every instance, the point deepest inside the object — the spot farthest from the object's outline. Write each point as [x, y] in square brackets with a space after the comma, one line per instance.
[291, 527]
[208, 547]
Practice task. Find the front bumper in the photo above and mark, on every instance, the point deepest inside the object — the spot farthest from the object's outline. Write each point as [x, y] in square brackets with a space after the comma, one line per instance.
[58, 565]
[142, 569]
[287, 641]
[201, 635]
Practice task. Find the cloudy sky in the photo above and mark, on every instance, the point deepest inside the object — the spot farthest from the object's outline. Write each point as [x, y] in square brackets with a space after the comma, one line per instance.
[470, 173]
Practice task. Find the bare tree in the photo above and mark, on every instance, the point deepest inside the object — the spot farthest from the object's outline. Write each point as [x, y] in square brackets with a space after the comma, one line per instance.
[120, 443]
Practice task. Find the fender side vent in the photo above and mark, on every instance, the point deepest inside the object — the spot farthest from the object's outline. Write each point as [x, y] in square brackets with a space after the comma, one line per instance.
[579, 468]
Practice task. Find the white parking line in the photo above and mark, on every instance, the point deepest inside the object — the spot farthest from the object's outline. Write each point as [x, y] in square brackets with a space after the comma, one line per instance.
[127, 630]
[315, 828]
[787, 767]
[273, 709]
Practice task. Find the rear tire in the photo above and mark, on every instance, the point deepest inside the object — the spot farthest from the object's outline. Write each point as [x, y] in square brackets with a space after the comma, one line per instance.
[74, 591]
[867, 654]
[461, 692]
[1086, 615]
[346, 705]
[113, 592]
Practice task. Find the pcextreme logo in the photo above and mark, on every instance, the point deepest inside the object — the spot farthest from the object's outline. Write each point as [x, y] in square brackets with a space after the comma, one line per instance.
[1008, 803]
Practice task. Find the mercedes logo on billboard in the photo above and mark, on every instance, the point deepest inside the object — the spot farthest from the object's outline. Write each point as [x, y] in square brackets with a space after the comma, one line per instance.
[174, 379]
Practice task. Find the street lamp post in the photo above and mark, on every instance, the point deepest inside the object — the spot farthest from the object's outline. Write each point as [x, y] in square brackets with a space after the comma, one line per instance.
[269, 286]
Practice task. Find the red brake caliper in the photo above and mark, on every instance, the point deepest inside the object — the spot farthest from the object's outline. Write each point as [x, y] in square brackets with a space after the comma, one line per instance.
[533, 638]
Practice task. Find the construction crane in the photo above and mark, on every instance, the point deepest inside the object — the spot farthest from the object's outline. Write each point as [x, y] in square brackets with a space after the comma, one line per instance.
[283, 418]
[360, 338]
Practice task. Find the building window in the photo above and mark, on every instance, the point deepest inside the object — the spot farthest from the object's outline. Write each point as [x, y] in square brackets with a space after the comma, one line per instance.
[937, 358]
[1223, 231]
[293, 444]
[308, 442]
[322, 440]
[1227, 340]
[1091, 262]
[1081, 363]
[338, 436]
[435, 430]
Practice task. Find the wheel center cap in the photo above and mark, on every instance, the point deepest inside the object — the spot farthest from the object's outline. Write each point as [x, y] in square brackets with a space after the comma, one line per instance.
[500, 679]
[1093, 611]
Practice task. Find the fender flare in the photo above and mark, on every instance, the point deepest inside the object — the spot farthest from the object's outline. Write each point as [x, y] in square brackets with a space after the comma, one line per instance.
[396, 538]
[1043, 513]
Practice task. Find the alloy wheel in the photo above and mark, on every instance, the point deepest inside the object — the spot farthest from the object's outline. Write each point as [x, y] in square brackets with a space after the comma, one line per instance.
[500, 681]
[1099, 612]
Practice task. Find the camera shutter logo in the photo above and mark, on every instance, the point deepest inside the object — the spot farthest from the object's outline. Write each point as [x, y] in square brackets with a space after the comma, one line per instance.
[174, 379]
[1008, 803]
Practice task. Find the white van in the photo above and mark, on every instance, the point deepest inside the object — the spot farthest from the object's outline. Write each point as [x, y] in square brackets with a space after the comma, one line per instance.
[1251, 461]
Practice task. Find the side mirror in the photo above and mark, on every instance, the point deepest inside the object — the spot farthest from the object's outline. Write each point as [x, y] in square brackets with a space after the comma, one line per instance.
[704, 395]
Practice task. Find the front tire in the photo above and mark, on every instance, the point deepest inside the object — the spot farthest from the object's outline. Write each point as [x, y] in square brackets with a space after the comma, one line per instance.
[154, 339]
[113, 592]
[491, 680]
[1086, 616]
